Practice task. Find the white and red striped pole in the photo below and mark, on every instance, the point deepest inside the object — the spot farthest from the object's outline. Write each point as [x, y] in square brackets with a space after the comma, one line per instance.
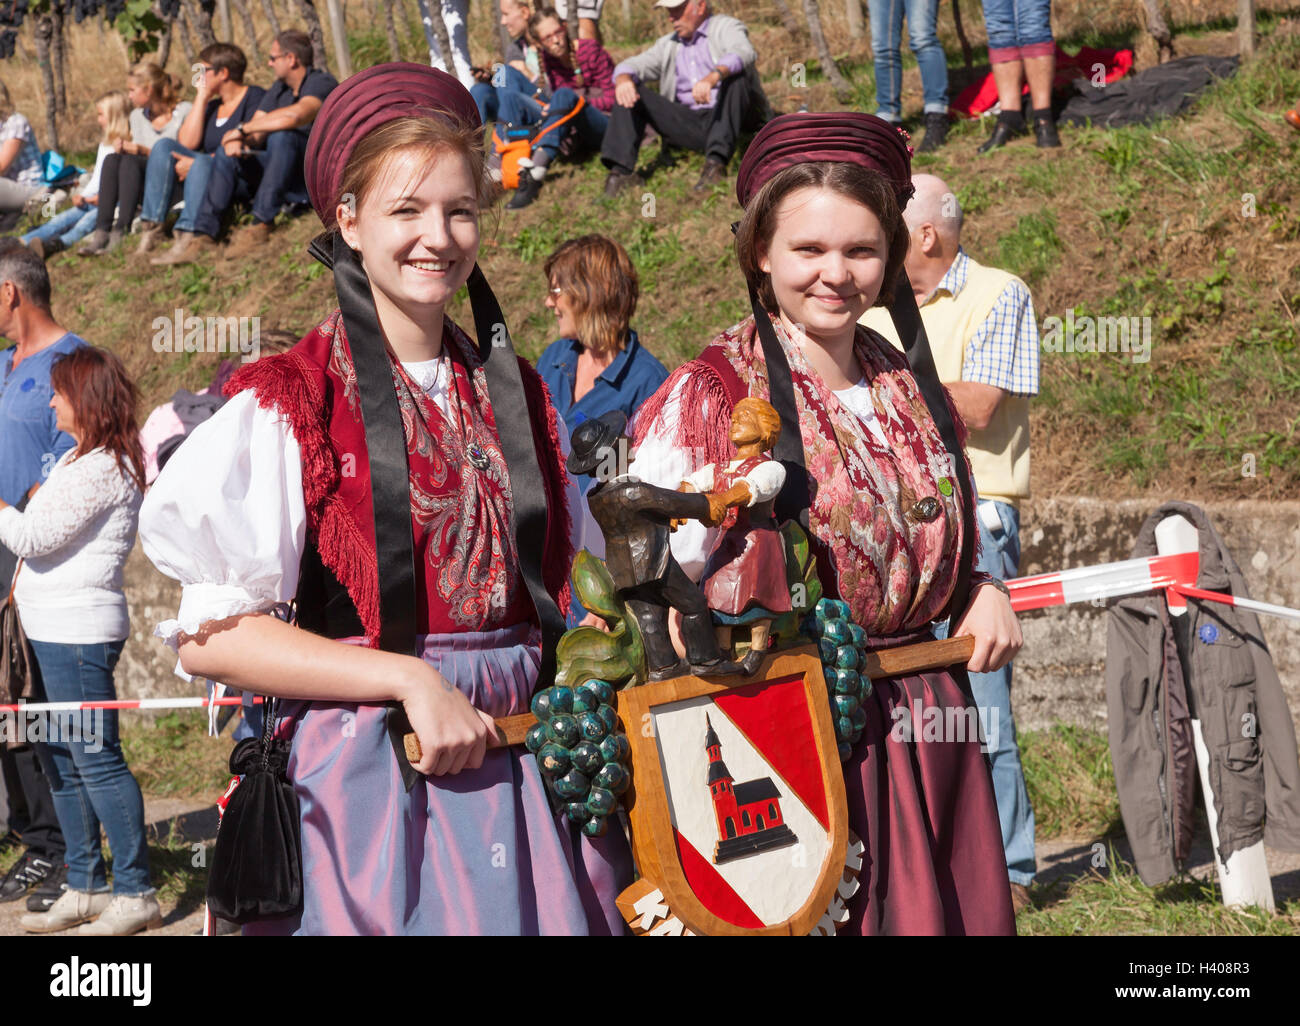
[1104, 581]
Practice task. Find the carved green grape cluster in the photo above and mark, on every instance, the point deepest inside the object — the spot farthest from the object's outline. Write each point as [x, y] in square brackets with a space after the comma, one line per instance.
[585, 761]
[841, 644]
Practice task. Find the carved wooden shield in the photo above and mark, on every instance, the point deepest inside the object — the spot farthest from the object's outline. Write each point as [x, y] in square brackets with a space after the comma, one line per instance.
[739, 819]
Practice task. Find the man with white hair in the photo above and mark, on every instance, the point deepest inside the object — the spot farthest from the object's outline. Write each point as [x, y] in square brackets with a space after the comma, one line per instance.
[982, 330]
[708, 94]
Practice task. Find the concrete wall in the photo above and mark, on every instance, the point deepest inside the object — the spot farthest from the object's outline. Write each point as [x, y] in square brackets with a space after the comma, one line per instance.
[1058, 676]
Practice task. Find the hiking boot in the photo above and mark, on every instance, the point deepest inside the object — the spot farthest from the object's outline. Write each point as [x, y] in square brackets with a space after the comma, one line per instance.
[95, 243]
[191, 248]
[51, 889]
[1045, 134]
[1003, 133]
[28, 870]
[715, 171]
[112, 241]
[617, 180]
[936, 132]
[45, 248]
[125, 915]
[248, 241]
[151, 236]
[72, 908]
[529, 189]
[1020, 898]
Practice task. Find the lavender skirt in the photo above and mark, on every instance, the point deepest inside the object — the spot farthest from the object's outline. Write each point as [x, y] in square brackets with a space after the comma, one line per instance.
[479, 852]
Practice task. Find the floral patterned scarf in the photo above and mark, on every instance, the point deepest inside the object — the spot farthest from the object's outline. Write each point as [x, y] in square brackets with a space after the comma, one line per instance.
[874, 549]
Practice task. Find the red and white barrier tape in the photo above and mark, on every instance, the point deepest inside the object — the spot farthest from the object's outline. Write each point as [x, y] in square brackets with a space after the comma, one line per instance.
[1176, 574]
[125, 703]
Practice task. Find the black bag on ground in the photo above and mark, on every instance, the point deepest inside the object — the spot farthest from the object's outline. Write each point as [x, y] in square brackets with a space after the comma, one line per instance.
[257, 862]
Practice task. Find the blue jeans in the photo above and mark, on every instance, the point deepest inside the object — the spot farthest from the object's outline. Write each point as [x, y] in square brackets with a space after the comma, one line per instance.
[160, 183]
[509, 97]
[1000, 556]
[589, 123]
[1018, 28]
[71, 226]
[269, 177]
[88, 775]
[886, 38]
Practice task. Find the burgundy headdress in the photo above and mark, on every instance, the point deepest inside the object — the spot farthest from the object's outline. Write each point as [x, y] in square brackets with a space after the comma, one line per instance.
[365, 101]
[844, 137]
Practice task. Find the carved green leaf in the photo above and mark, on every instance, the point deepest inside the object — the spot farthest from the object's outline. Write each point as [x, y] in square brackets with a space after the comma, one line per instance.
[618, 655]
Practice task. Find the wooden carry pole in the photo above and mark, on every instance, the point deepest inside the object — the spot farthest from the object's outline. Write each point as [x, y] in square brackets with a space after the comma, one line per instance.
[890, 662]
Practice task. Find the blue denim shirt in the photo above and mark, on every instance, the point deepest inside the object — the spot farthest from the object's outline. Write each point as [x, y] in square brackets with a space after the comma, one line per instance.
[625, 384]
[30, 444]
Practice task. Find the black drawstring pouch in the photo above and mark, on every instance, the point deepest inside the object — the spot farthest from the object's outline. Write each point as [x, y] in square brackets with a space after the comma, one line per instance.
[256, 868]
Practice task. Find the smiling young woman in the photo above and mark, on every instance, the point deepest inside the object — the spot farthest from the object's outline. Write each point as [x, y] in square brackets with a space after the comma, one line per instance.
[822, 240]
[438, 621]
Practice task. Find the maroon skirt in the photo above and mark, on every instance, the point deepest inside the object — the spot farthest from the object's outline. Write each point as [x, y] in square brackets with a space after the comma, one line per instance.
[920, 797]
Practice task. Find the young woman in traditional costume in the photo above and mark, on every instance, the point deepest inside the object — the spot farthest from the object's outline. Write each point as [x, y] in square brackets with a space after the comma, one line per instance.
[885, 496]
[402, 484]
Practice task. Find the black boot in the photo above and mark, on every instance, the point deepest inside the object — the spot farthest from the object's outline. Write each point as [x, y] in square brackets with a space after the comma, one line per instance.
[936, 131]
[1009, 126]
[1045, 130]
[529, 187]
[702, 650]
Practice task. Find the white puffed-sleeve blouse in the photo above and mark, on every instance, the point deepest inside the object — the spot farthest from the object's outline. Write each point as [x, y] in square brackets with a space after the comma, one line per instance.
[226, 517]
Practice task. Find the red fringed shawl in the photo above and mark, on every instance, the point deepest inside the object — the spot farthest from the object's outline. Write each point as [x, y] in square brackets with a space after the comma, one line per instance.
[467, 573]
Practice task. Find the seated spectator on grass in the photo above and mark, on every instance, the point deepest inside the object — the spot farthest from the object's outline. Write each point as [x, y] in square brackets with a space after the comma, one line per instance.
[583, 72]
[588, 17]
[708, 93]
[513, 91]
[597, 365]
[64, 230]
[20, 158]
[157, 115]
[261, 160]
[223, 101]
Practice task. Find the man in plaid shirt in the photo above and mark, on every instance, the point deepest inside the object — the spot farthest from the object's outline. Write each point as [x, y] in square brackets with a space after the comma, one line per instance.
[982, 330]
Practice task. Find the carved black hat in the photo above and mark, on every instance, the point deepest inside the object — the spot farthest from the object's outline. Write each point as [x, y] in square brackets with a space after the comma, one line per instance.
[593, 438]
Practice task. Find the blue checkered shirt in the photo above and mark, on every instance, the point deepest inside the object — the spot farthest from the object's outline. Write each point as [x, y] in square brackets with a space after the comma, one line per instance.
[1004, 351]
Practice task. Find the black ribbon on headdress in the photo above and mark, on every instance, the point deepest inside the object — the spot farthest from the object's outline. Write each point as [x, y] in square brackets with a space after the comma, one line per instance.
[390, 474]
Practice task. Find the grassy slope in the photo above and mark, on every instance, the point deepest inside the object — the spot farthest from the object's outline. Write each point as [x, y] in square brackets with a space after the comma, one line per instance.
[1134, 222]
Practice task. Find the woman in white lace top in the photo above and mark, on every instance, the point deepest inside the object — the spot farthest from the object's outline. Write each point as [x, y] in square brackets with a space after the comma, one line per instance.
[74, 537]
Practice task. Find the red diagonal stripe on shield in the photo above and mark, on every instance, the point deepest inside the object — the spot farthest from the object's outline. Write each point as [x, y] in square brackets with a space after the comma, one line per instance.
[714, 893]
[780, 727]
